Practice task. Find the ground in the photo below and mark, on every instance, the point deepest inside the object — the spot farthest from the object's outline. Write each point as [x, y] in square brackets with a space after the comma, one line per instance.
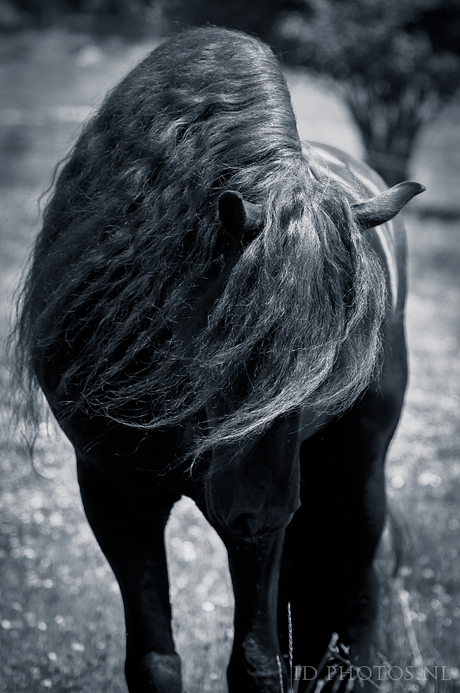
[61, 625]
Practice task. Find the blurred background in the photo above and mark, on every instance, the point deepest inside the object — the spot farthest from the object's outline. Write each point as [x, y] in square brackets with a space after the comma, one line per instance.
[379, 80]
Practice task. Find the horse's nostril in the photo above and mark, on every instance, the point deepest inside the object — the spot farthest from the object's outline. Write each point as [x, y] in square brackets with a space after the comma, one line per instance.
[244, 525]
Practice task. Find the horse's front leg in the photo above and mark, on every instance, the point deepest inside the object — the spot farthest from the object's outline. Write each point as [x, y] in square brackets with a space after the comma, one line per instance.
[254, 567]
[130, 531]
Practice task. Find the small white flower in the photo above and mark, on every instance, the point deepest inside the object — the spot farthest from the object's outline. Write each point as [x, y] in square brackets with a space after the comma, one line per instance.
[429, 479]
[77, 647]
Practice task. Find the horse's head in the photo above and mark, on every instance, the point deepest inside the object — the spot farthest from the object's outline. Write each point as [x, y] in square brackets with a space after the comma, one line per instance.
[252, 483]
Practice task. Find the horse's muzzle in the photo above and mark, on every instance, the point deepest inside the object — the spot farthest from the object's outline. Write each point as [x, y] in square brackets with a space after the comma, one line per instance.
[243, 521]
[247, 525]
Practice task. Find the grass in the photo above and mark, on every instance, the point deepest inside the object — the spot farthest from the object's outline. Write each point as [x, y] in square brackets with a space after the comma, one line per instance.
[61, 622]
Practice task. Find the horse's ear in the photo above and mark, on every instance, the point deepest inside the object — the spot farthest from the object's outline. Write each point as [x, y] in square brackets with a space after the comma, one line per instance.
[385, 206]
[237, 216]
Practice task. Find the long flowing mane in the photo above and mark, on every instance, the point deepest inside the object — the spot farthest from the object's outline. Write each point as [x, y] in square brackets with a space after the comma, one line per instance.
[132, 230]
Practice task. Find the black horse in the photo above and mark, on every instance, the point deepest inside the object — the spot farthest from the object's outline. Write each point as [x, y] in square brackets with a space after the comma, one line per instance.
[215, 310]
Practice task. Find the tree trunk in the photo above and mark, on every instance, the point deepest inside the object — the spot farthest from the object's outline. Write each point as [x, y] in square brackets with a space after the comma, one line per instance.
[392, 166]
[388, 126]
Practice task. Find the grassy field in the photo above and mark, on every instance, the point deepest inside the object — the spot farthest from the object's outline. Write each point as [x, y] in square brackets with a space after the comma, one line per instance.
[61, 625]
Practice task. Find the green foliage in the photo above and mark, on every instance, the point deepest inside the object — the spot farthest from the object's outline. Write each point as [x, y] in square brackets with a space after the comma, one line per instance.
[397, 64]
[392, 44]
